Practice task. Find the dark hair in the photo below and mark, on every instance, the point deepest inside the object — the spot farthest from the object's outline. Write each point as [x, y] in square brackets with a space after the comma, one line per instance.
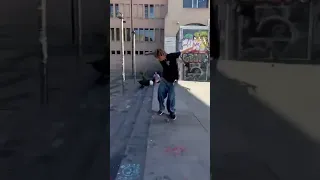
[159, 52]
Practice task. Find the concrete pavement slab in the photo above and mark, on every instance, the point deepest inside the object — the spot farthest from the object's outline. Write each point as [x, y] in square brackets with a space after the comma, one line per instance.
[180, 149]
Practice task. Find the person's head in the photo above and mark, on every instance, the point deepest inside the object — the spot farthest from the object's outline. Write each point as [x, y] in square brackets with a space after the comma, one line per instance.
[160, 54]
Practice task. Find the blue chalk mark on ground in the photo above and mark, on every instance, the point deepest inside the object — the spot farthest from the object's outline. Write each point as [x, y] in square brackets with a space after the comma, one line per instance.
[129, 172]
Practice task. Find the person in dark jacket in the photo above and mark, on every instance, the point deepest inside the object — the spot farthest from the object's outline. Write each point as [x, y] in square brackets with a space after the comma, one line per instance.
[170, 76]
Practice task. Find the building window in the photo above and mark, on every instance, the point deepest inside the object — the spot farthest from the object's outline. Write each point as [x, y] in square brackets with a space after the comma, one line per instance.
[141, 35]
[117, 9]
[195, 3]
[151, 16]
[152, 34]
[113, 52]
[135, 10]
[124, 34]
[111, 10]
[137, 53]
[140, 13]
[112, 34]
[157, 35]
[147, 35]
[128, 52]
[128, 34]
[157, 11]
[162, 11]
[117, 34]
[141, 52]
[118, 52]
[136, 30]
[161, 35]
[146, 11]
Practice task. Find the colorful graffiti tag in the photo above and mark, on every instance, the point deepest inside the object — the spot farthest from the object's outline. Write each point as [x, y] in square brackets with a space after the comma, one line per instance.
[197, 60]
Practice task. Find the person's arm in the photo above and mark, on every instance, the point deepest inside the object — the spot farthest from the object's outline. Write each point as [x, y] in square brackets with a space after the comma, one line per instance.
[176, 55]
[186, 50]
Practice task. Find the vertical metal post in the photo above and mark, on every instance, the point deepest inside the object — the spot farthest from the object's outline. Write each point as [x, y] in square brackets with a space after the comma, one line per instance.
[79, 28]
[73, 22]
[122, 53]
[133, 39]
[208, 49]
[310, 37]
[227, 31]
[44, 47]
[134, 56]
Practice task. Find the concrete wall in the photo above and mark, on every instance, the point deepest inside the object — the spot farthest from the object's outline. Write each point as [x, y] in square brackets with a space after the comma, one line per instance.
[299, 30]
[176, 13]
[21, 54]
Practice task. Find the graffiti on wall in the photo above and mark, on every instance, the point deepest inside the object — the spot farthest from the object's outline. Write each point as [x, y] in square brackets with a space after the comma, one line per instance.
[197, 60]
[275, 32]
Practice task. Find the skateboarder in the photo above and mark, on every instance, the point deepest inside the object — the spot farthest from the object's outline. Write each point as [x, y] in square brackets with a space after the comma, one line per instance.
[170, 76]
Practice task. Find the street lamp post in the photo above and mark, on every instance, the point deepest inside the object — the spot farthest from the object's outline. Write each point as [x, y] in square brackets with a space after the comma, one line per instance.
[120, 16]
[133, 43]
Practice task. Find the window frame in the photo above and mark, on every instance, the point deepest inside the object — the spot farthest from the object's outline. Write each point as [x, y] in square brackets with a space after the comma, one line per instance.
[152, 33]
[146, 11]
[197, 6]
[118, 34]
[112, 34]
[116, 9]
[153, 10]
[111, 10]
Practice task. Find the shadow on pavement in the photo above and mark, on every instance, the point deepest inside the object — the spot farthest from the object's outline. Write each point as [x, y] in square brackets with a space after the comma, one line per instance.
[59, 141]
[250, 141]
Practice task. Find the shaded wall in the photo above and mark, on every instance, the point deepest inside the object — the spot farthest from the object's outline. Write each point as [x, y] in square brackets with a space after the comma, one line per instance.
[21, 54]
[278, 33]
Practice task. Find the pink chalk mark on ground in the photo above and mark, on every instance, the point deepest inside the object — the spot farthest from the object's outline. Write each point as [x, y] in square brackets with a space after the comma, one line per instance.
[175, 150]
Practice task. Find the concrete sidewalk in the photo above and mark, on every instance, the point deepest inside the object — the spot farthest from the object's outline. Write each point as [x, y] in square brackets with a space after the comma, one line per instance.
[181, 149]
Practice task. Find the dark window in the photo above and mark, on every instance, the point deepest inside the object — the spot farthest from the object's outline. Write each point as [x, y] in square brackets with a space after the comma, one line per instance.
[117, 34]
[111, 10]
[152, 34]
[141, 52]
[118, 52]
[128, 34]
[146, 35]
[187, 3]
[146, 11]
[137, 52]
[151, 11]
[112, 34]
[128, 52]
[195, 3]
[124, 34]
[146, 52]
[117, 9]
[113, 52]
[203, 3]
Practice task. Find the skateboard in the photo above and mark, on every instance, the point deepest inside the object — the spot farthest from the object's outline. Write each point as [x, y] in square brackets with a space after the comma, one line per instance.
[167, 119]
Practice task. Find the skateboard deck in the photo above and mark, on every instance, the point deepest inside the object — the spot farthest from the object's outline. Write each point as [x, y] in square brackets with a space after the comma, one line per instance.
[167, 119]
